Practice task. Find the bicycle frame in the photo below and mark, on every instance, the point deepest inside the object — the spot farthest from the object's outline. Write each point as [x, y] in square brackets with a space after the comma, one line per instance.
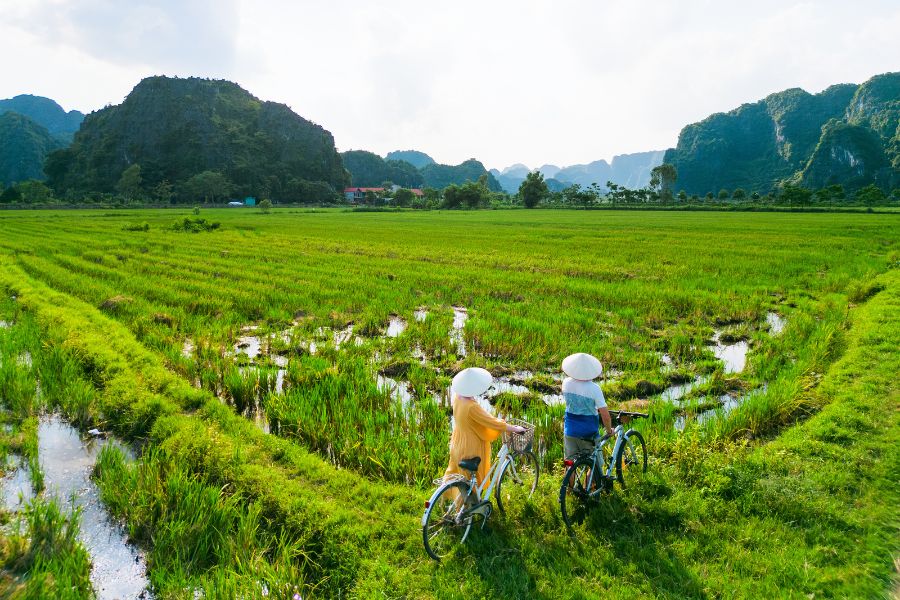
[597, 456]
[483, 492]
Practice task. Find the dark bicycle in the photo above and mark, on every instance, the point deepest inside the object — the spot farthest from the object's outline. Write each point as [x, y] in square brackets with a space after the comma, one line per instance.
[589, 474]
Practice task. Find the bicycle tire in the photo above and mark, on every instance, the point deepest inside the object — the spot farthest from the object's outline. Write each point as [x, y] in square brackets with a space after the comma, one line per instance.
[442, 517]
[521, 483]
[632, 455]
[575, 501]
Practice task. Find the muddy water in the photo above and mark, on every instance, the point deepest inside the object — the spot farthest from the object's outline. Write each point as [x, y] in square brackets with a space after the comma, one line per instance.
[733, 355]
[395, 327]
[727, 403]
[776, 322]
[678, 391]
[15, 487]
[398, 390]
[250, 345]
[460, 316]
[24, 359]
[118, 568]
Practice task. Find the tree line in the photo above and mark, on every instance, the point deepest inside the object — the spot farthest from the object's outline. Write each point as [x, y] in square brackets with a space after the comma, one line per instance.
[213, 187]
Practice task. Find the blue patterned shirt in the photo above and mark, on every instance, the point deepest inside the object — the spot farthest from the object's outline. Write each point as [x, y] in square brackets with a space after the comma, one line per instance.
[583, 398]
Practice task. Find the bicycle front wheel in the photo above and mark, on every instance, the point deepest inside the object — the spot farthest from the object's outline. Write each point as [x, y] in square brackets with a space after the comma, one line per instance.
[631, 458]
[445, 524]
[518, 480]
[575, 495]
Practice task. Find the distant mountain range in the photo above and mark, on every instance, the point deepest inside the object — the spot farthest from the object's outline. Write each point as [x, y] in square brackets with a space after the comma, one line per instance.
[30, 128]
[176, 128]
[848, 134]
[367, 169]
[417, 159]
[47, 113]
[629, 170]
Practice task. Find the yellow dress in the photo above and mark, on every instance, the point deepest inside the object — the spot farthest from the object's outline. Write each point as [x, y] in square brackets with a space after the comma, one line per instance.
[472, 436]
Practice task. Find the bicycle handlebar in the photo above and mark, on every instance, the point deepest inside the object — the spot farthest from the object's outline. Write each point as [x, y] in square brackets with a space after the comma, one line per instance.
[625, 413]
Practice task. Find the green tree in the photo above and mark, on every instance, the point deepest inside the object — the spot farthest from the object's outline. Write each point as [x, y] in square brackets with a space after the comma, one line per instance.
[475, 194]
[403, 197]
[533, 190]
[265, 207]
[209, 185]
[739, 194]
[662, 178]
[795, 195]
[164, 191]
[614, 195]
[755, 195]
[724, 194]
[10, 195]
[682, 196]
[129, 185]
[575, 195]
[709, 196]
[34, 192]
[452, 197]
[871, 195]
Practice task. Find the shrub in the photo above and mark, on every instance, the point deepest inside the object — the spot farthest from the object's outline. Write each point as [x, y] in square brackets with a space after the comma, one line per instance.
[195, 225]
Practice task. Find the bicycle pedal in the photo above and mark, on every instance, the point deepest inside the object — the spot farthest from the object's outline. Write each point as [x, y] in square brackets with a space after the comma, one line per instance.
[488, 509]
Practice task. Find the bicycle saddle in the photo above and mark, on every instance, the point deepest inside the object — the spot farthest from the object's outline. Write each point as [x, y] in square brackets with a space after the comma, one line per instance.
[470, 464]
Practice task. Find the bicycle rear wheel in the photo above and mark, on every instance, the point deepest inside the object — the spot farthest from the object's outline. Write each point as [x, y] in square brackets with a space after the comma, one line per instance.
[575, 499]
[518, 480]
[632, 457]
[444, 525]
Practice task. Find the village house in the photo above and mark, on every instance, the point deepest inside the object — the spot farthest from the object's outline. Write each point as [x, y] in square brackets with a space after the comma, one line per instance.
[357, 195]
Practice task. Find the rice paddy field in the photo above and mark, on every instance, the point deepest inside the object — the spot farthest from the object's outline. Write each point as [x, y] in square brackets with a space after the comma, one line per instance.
[248, 405]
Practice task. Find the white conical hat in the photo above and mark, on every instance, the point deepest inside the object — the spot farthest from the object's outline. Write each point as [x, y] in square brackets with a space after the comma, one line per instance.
[472, 381]
[582, 366]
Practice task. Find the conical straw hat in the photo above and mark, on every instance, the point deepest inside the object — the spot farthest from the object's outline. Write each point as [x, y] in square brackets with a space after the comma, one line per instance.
[472, 381]
[582, 366]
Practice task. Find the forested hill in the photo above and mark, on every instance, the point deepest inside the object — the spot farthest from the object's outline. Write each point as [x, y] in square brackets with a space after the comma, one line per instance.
[367, 169]
[370, 170]
[24, 144]
[847, 134]
[440, 176]
[47, 113]
[192, 137]
[413, 157]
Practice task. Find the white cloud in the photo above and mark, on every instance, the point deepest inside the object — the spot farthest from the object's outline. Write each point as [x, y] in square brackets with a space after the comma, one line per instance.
[502, 81]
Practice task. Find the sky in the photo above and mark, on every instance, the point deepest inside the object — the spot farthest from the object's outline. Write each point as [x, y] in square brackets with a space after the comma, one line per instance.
[523, 81]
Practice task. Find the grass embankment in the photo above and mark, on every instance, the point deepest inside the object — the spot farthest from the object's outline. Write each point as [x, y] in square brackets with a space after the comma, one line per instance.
[40, 555]
[706, 521]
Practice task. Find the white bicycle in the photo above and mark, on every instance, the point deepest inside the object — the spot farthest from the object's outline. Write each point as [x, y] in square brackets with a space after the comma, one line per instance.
[453, 506]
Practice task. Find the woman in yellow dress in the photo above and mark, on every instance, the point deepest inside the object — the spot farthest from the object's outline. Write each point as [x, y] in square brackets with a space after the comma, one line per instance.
[475, 428]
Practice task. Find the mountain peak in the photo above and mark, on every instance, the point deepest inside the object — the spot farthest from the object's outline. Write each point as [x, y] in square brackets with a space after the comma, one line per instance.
[47, 113]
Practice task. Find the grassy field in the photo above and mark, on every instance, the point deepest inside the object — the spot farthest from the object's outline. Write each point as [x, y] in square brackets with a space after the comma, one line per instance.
[140, 327]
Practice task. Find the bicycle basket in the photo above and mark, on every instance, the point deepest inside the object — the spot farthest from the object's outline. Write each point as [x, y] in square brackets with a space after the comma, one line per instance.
[519, 443]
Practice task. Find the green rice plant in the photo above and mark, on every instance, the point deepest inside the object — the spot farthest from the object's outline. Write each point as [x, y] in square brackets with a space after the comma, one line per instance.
[202, 538]
[45, 555]
[242, 388]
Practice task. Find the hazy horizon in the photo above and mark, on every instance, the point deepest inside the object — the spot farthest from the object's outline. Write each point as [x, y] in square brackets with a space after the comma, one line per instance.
[504, 83]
